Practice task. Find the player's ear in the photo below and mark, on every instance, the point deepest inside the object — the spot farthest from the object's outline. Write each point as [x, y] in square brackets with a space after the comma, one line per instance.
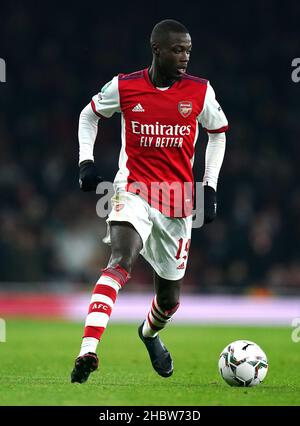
[155, 48]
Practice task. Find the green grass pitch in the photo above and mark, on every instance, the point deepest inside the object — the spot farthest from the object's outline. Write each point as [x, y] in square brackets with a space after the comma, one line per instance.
[37, 359]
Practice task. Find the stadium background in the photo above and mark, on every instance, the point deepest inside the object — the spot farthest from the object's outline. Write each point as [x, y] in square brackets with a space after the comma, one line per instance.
[57, 58]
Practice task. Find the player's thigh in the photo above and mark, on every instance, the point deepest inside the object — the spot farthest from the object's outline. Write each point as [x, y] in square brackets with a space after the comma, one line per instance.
[126, 242]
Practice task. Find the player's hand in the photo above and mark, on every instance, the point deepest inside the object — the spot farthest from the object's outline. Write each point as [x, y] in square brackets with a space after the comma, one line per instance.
[210, 204]
[88, 177]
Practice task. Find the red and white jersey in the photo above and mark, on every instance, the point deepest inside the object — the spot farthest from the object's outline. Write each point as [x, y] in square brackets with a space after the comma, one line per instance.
[159, 133]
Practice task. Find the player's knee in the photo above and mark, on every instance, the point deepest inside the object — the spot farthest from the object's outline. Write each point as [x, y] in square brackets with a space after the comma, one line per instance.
[125, 261]
[168, 303]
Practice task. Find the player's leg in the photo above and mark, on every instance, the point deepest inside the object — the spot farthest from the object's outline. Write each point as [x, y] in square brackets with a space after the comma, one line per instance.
[164, 305]
[126, 245]
[167, 252]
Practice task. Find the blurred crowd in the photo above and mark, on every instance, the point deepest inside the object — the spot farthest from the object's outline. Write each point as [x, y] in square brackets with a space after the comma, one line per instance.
[49, 230]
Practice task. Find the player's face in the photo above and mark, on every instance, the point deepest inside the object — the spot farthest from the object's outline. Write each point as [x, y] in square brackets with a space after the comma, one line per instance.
[174, 55]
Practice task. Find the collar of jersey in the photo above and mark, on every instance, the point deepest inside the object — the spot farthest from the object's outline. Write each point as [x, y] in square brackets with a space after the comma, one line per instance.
[147, 78]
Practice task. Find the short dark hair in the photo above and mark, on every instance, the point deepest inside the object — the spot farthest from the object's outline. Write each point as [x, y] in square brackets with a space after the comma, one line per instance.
[162, 28]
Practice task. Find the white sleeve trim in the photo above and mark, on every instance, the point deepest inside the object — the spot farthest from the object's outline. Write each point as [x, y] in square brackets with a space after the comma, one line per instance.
[214, 156]
[87, 132]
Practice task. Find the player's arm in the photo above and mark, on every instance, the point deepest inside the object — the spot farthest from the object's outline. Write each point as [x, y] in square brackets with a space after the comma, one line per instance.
[215, 123]
[102, 105]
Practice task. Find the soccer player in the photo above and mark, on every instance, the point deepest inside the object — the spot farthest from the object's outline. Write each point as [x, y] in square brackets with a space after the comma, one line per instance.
[160, 108]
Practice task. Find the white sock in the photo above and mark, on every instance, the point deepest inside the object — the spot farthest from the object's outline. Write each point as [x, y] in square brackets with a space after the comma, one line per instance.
[147, 330]
[89, 344]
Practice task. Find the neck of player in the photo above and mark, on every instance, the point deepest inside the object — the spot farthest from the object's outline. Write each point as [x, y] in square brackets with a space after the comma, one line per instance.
[158, 78]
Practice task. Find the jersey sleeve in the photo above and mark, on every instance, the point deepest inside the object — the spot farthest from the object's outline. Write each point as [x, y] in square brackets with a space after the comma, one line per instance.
[107, 101]
[212, 117]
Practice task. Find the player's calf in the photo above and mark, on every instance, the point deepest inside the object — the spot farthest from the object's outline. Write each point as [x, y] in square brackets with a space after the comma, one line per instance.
[157, 318]
[113, 278]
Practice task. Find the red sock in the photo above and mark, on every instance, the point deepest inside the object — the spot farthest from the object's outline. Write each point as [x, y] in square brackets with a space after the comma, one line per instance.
[103, 299]
[157, 319]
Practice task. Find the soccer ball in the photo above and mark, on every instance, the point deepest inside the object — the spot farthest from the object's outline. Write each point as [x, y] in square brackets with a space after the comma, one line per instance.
[243, 363]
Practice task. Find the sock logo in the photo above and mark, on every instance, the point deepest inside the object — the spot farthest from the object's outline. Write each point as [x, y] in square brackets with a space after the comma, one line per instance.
[100, 306]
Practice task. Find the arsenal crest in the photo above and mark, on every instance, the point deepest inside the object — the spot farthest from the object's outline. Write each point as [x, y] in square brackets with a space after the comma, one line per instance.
[185, 108]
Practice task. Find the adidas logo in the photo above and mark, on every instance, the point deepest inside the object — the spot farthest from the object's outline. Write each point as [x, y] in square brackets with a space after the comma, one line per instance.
[181, 266]
[138, 108]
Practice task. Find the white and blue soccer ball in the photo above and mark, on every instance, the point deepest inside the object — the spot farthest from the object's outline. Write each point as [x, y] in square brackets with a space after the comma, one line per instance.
[243, 363]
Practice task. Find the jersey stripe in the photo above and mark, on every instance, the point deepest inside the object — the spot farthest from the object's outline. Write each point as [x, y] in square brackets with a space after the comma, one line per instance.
[95, 111]
[221, 130]
[193, 78]
[132, 76]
